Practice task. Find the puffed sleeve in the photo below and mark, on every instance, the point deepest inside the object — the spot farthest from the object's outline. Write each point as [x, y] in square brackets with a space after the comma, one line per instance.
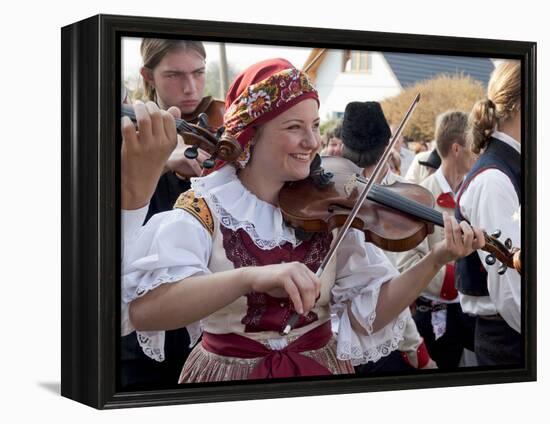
[131, 222]
[362, 269]
[172, 246]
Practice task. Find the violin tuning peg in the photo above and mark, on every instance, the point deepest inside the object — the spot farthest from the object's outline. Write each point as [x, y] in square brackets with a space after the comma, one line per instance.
[219, 132]
[490, 260]
[496, 234]
[502, 269]
[208, 163]
[202, 120]
[191, 152]
[508, 243]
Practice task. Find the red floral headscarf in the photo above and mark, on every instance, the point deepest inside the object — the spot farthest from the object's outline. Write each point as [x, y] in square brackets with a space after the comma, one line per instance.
[260, 93]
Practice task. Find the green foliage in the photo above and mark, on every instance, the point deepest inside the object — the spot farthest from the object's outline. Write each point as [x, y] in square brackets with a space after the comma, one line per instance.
[329, 125]
[437, 95]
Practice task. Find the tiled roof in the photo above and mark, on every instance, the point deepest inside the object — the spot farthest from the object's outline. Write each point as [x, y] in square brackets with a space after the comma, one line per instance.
[411, 68]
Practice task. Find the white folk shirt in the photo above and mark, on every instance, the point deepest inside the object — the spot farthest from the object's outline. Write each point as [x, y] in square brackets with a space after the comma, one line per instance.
[490, 202]
[407, 158]
[437, 184]
[411, 337]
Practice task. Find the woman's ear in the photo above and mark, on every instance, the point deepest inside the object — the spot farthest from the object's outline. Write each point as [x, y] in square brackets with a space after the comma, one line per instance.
[147, 75]
[256, 136]
[455, 148]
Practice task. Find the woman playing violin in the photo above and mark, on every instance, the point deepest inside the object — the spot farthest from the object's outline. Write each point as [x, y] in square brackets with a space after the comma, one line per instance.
[224, 263]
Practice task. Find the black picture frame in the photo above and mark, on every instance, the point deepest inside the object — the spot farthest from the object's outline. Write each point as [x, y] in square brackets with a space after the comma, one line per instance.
[91, 71]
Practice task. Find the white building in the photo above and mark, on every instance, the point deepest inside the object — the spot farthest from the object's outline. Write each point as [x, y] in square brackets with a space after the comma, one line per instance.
[342, 76]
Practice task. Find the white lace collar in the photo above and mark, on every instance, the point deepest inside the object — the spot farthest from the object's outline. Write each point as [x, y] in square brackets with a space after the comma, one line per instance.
[236, 207]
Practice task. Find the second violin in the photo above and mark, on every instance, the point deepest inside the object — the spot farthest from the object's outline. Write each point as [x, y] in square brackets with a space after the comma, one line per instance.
[198, 135]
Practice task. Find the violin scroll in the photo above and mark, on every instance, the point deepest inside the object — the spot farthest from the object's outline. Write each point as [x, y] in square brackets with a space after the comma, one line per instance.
[517, 260]
[508, 256]
[223, 147]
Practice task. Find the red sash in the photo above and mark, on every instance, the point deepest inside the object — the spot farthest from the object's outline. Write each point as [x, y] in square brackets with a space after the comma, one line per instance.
[288, 362]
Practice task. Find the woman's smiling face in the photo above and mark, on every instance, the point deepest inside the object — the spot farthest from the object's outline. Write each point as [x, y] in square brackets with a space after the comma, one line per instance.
[285, 146]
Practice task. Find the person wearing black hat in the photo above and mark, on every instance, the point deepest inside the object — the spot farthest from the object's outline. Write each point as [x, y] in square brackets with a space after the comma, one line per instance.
[365, 135]
[438, 315]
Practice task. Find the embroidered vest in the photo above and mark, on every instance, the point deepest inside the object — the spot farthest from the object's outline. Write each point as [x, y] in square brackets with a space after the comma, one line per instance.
[470, 275]
[264, 312]
[257, 315]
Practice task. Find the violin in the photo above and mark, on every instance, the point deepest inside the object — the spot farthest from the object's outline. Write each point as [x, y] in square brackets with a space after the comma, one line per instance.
[214, 110]
[199, 136]
[394, 217]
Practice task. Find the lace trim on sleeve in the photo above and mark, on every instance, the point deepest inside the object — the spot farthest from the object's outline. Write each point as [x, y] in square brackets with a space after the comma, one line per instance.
[359, 348]
[152, 342]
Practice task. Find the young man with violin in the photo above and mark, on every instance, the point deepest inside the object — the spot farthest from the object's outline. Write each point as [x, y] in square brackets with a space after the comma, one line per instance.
[365, 135]
[438, 315]
[174, 77]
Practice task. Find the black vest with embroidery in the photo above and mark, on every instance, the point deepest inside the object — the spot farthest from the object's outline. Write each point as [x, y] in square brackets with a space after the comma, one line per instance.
[470, 275]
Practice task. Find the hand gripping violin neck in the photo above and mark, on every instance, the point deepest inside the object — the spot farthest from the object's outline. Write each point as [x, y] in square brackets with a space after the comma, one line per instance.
[198, 136]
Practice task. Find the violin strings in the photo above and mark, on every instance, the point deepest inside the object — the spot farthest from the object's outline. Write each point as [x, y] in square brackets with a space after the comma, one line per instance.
[385, 196]
[417, 208]
[412, 206]
[180, 123]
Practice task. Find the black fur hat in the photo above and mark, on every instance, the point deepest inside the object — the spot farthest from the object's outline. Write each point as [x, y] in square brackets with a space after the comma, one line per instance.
[365, 133]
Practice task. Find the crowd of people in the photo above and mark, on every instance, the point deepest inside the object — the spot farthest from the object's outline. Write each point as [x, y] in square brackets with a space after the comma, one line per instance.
[212, 273]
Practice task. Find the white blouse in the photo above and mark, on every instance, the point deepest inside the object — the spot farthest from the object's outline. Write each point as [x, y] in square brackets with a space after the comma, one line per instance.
[174, 245]
[490, 202]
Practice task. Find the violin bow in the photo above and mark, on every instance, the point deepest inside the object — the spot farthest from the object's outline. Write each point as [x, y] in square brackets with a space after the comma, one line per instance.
[343, 230]
[315, 59]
